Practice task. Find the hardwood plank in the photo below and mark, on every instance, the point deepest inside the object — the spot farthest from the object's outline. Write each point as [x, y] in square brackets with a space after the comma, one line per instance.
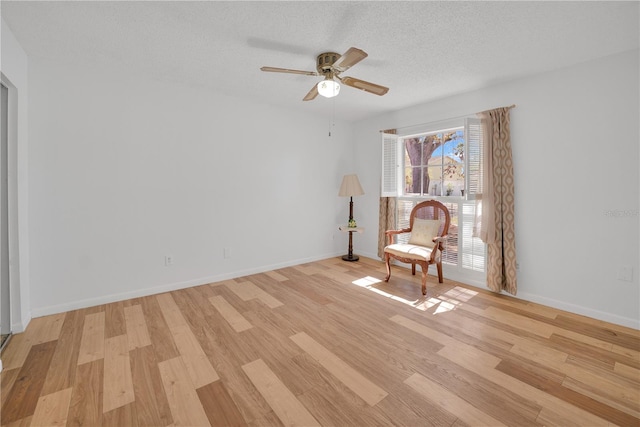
[185, 405]
[23, 397]
[41, 330]
[521, 322]
[247, 291]
[363, 387]
[194, 358]
[61, 374]
[172, 314]
[16, 351]
[623, 400]
[121, 416]
[308, 292]
[543, 354]
[52, 409]
[627, 371]
[595, 354]
[276, 276]
[284, 404]
[469, 357]
[631, 353]
[219, 406]
[572, 397]
[200, 370]
[92, 341]
[556, 411]
[7, 380]
[403, 407]
[24, 422]
[136, 330]
[114, 320]
[118, 384]
[450, 402]
[614, 334]
[85, 408]
[151, 401]
[430, 333]
[515, 362]
[159, 333]
[47, 328]
[230, 314]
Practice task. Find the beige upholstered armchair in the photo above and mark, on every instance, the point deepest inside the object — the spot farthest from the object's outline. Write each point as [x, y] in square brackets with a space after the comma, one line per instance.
[428, 225]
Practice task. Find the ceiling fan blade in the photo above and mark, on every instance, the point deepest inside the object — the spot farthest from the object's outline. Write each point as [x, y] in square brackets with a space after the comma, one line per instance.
[363, 85]
[287, 70]
[350, 58]
[312, 93]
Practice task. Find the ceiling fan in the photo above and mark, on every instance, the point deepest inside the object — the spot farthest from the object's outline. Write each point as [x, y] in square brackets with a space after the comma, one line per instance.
[330, 65]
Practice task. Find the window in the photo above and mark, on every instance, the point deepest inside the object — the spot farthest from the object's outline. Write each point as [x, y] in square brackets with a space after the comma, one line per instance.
[434, 163]
[440, 161]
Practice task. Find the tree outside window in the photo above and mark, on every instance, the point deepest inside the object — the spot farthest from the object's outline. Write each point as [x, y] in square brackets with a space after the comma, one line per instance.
[434, 164]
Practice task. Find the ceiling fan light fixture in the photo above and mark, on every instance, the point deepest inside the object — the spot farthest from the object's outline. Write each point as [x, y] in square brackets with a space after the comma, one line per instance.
[328, 88]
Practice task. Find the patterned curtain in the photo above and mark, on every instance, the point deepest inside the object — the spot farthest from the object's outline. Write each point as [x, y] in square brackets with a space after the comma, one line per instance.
[387, 222]
[497, 227]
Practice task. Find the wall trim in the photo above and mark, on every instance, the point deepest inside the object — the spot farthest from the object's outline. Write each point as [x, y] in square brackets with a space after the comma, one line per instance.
[584, 311]
[549, 302]
[107, 299]
[525, 296]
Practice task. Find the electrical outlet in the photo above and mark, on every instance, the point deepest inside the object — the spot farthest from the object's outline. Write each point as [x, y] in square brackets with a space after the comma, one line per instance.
[168, 260]
[625, 273]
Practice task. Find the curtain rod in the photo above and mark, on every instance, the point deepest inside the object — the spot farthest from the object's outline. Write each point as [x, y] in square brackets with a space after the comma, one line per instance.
[447, 119]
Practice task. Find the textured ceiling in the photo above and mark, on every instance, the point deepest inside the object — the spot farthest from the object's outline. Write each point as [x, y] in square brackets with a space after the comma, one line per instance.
[421, 50]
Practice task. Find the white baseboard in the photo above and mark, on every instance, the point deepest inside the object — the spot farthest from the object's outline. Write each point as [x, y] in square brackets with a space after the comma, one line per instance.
[549, 302]
[577, 309]
[106, 299]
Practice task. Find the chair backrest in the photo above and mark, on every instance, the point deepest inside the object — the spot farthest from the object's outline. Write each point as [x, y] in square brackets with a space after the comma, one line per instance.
[432, 209]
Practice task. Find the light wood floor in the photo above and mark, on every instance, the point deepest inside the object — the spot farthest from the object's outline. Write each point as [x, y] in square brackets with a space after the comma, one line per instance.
[324, 343]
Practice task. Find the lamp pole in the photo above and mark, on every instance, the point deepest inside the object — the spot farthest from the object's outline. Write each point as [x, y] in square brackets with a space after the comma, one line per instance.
[350, 256]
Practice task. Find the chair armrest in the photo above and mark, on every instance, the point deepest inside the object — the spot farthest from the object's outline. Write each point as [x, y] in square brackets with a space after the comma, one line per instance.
[404, 230]
[438, 243]
[440, 239]
[391, 233]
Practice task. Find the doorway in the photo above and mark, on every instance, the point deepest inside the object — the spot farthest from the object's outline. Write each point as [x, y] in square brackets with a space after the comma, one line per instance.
[5, 303]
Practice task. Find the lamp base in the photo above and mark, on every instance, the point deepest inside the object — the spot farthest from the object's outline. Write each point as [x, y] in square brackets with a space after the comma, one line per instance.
[350, 257]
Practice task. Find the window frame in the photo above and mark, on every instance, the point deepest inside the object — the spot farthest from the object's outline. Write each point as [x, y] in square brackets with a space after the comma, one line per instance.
[471, 251]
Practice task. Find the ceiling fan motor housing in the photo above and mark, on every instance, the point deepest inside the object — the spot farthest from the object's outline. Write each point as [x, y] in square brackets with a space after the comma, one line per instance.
[325, 61]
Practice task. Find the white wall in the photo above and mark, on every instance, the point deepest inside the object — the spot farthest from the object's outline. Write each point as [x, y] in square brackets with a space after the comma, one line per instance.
[575, 136]
[125, 170]
[14, 70]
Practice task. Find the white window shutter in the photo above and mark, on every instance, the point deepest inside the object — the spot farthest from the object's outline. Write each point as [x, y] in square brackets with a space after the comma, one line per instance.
[390, 166]
[473, 158]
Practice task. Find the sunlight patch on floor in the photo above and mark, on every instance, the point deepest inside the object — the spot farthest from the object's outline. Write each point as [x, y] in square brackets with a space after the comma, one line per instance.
[461, 294]
[445, 302]
[367, 282]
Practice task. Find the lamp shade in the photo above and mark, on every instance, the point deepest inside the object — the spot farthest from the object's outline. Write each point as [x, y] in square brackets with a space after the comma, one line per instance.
[328, 88]
[350, 186]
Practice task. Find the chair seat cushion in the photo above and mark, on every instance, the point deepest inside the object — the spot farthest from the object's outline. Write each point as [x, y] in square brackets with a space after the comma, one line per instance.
[406, 250]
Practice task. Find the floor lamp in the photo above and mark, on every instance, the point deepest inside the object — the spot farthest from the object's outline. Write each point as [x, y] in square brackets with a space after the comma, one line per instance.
[350, 187]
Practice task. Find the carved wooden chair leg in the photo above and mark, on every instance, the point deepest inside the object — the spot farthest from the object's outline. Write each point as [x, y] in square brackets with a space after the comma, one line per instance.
[386, 260]
[425, 268]
[413, 268]
[439, 265]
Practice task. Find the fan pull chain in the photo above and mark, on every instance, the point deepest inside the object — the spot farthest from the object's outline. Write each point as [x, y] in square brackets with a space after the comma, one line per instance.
[333, 115]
